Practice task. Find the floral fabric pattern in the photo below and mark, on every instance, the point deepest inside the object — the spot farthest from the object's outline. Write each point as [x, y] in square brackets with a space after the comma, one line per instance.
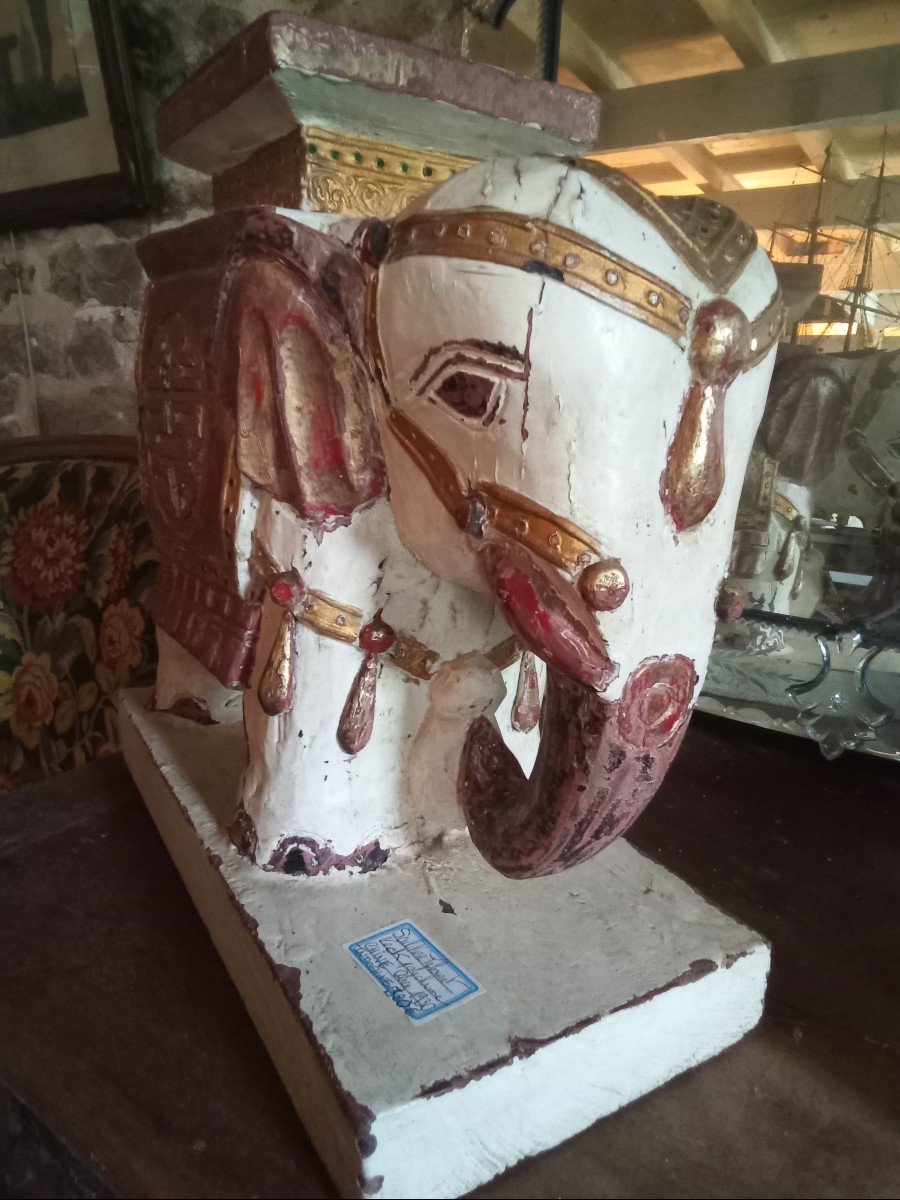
[75, 564]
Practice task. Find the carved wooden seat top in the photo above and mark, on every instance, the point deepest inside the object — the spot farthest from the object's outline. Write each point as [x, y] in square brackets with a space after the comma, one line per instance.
[284, 70]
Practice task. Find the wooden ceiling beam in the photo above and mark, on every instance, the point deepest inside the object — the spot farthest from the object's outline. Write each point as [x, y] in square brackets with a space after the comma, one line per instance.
[745, 31]
[754, 43]
[860, 87]
[603, 72]
[700, 167]
[794, 205]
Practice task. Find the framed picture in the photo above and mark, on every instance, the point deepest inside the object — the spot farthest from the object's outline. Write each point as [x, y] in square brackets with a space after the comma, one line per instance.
[70, 143]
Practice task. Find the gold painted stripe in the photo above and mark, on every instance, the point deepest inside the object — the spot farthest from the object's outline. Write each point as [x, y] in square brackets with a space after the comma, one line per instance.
[416, 659]
[784, 507]
[532, 244]
[504, 654]
[342, 623]
[765, 330]
[333, 171]
[330, 618]
[551, 537]
[412, 656]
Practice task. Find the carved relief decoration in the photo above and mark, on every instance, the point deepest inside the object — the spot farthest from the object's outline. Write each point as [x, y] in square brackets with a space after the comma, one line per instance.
[172, 419]
[370, 178]
[216, 625]
[714, 242]
[238, 329]
[326, 170]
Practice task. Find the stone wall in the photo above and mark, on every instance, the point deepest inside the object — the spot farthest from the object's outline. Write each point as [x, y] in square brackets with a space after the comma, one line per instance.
[70, 298]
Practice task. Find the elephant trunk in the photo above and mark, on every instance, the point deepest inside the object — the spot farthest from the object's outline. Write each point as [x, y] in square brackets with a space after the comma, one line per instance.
[600, 761]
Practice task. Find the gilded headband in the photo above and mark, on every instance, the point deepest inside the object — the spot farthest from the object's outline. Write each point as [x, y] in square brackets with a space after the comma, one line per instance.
[531, 244]
[535, 245]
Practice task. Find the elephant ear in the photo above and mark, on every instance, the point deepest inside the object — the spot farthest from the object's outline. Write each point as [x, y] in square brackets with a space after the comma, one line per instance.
[290, 342]
[805, 417]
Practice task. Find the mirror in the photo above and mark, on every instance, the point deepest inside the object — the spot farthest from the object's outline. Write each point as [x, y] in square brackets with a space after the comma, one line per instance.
[816, 552]
[816, 557]
[818, 527]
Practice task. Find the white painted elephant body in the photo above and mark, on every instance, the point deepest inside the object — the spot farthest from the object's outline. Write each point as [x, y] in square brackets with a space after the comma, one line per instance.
[567, 377]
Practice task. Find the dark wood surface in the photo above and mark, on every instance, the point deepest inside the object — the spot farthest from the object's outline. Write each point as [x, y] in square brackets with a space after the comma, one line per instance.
[108, 447]
[140, 1074]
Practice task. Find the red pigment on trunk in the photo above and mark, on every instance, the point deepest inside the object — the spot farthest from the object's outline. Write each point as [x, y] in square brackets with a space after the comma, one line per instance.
[598, 766]
[541, 616]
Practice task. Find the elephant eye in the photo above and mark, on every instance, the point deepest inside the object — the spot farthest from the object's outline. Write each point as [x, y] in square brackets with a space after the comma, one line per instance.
[471, 395]
[471, 379]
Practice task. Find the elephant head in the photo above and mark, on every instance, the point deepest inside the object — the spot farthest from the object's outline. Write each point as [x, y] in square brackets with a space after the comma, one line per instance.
[561, 377]
[573, 374]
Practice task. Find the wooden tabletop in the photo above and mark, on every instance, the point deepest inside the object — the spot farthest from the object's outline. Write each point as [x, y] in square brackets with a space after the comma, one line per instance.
[138, 1073]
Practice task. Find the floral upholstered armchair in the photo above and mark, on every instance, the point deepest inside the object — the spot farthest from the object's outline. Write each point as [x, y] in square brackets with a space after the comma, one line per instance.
[76, 563]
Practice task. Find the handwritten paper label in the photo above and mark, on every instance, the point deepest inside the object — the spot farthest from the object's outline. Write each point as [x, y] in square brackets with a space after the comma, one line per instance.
[410, 968]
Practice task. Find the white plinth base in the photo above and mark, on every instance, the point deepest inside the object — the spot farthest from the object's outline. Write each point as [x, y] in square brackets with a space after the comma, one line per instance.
[599, 984]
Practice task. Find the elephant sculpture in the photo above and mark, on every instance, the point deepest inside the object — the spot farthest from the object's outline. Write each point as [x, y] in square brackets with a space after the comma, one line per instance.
[774, 567]
[827, 456]
[396, 473]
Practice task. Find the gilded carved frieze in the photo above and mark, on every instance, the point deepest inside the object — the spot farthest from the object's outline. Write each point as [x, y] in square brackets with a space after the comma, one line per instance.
[325, 170]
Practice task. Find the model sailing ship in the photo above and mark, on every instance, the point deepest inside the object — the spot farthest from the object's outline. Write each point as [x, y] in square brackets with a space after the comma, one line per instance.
[843, 262]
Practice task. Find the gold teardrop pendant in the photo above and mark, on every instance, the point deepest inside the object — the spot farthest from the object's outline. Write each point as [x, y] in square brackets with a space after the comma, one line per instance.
[277, 682]
[358, 715]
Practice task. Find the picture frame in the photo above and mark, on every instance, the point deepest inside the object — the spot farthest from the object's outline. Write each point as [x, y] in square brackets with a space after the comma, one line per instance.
[71, 148]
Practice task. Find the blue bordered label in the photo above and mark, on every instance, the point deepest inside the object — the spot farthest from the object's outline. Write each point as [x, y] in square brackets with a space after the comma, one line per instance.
[417, 975]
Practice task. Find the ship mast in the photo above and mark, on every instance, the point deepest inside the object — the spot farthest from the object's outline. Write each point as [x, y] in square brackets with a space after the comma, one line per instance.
[863, 284]
[815, 224]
